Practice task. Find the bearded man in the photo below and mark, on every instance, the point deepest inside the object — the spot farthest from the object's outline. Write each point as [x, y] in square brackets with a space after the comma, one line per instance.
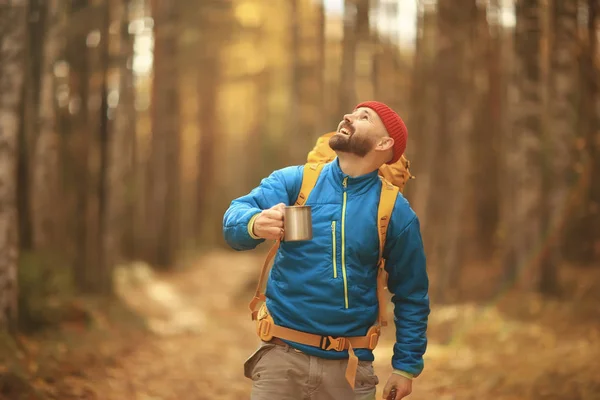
[327, 286]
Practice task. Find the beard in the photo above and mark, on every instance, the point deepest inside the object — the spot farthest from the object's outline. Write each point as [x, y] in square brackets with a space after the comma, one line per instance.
[357, 145]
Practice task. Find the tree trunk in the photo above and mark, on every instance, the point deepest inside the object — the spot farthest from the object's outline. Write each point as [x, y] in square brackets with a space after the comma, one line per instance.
[322, 123]
[560, 138]
[78, 82]
[306, 78]
[456, 25]
[208, 121]
[12, 67]
[592, 252]
[347, 88]
[423, 94]
[29, 119]
[78, 153]
[121, 136]
[88, 56]
[521, 150]
[45, 203]
[363, 54]
[125, 129]
[295, 116]
[99, 275]
[163, 198]
[487, 80]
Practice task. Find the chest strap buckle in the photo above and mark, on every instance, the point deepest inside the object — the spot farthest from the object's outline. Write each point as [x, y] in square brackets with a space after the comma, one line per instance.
[333, 343]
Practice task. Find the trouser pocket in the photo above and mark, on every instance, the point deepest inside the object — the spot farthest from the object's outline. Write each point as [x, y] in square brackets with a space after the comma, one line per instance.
[251, 362]
[366, 379]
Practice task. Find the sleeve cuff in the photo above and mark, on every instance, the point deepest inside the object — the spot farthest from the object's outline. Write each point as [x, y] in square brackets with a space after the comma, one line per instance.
[403, 373]
[251, 226]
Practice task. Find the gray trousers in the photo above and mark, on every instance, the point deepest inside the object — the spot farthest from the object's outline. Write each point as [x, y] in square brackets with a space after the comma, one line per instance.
[279, 372]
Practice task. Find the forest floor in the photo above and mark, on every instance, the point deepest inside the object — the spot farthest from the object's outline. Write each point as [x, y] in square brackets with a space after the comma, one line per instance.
[189, 333]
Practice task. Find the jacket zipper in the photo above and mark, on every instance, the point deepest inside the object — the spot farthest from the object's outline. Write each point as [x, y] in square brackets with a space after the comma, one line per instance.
[334, 253]
[345, 184]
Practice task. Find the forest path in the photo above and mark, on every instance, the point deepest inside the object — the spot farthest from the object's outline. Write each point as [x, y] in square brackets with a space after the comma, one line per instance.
[520, 347]
[475, 352]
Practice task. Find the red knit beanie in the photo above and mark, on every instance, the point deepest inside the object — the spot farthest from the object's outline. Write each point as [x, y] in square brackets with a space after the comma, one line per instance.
[393, 124]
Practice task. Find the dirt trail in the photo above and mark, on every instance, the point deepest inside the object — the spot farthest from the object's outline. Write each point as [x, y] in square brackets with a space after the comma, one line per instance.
[519, 348]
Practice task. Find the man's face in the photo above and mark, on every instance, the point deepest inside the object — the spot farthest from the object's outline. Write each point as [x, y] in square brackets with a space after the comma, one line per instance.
[358, 133]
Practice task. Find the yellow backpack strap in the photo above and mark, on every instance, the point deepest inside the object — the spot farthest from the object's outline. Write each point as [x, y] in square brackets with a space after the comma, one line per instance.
[387, 200]
[309, 179]
[259, 294]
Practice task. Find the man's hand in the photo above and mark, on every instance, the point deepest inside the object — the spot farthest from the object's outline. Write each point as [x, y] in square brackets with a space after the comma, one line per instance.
[402, 385]
[269, 223]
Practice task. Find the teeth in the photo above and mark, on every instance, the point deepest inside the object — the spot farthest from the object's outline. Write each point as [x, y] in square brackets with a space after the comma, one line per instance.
[344, 131]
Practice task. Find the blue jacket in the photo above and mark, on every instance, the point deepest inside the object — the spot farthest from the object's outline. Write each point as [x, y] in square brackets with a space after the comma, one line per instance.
[328, 286]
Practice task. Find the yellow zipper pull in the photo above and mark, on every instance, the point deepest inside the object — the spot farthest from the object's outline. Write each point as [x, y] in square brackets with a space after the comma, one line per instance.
[345, 182]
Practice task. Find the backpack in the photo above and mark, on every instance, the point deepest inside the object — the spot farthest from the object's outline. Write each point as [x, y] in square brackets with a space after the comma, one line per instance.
[399, 174]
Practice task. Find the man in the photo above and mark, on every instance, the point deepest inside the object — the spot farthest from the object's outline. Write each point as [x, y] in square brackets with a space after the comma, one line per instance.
[327, 286]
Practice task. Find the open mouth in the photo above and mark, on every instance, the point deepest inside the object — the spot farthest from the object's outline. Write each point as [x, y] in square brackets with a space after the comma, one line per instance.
[344, 131]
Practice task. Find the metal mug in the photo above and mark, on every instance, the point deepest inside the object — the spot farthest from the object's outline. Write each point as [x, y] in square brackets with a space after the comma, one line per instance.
[297, 223]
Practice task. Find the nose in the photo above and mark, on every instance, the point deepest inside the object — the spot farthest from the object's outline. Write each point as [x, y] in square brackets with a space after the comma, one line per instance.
[348, 117]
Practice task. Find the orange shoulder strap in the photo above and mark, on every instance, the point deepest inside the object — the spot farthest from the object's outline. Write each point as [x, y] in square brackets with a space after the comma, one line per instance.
[309, 179]
[387, 200]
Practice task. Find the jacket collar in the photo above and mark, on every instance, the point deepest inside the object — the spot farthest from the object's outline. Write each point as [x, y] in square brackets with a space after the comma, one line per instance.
[356, 185]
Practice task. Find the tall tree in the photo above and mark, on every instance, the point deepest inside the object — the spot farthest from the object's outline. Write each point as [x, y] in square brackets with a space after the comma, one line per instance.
[456, 23]
[117, 224]
[164, 172]
[29, 118]
[560, 138]
[306, 76]
[45, 189]
[487, 81]
[12, 66]
[422, 95]
[321, 39]
[521, 150]
[76, 157]
[208, 78]
[88, 60]
[364, 51]
[125, 173]
[356, 23]
[97, 41]
[592, 102]
[295, 116]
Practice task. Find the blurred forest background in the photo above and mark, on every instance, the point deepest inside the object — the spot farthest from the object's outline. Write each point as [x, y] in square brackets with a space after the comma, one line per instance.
[128, 126]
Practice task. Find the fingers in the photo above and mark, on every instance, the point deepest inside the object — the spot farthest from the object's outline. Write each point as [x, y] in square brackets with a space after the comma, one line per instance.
[269, 224]
[391, 393]
[267, 232]
[275, 217]
[279, 207]
[272, 233]
[401, 394]
[269, 220]
[397, 388]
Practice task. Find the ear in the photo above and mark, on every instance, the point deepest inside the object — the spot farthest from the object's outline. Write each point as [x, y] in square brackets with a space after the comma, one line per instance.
[385, 143]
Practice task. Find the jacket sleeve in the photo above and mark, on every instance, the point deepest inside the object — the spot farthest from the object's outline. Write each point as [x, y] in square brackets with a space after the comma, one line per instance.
[409, 284]
[282, 186]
